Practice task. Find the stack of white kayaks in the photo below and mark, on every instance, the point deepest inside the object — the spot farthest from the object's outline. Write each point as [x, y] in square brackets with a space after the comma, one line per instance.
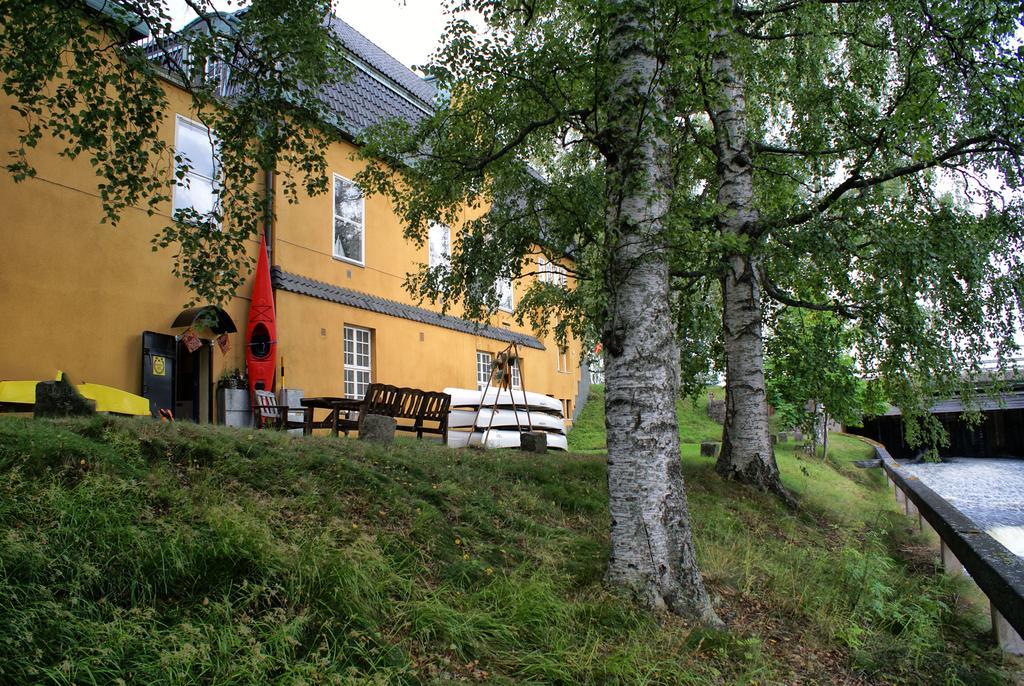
[507, 413]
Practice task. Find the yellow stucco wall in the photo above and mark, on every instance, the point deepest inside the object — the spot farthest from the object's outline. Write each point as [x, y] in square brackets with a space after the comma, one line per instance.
[313, 360]
[77, 294]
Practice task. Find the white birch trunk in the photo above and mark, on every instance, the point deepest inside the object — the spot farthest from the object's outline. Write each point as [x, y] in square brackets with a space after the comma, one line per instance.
[747, 454]
[652, 552]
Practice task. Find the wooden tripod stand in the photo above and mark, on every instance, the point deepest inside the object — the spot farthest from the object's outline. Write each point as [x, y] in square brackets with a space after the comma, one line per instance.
[501, 371]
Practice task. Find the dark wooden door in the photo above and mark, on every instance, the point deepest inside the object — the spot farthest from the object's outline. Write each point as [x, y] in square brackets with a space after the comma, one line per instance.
[159, 360]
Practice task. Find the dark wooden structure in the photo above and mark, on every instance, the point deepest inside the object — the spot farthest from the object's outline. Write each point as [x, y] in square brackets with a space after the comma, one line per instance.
[1000, 402]
[1000, 434]
[416, 411]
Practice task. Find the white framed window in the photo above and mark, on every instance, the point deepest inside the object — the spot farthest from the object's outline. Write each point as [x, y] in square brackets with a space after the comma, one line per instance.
[514, 371]
[562, 362]
[483, 370]
[218, 73]
[439, 245]
[505, 299]
[551, 272]
[195, 189]
[358, 361]
[349, 221]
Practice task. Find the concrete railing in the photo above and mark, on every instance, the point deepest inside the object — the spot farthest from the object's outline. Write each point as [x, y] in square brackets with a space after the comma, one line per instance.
[996, 571]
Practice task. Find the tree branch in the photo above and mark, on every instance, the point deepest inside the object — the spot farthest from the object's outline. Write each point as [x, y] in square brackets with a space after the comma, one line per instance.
[842, 309]
[787, 6]
[855, 182]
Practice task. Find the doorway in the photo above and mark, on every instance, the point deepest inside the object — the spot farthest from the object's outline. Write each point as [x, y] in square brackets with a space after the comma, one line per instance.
[193, 384]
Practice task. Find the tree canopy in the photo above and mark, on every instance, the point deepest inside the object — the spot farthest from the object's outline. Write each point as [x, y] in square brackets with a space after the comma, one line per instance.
[834, 157]
[811, 375]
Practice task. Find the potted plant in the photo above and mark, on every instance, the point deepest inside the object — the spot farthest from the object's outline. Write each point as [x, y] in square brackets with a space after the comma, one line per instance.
[232, 379]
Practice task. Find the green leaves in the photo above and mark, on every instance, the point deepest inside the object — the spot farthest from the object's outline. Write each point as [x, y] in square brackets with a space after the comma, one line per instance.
[808, 365]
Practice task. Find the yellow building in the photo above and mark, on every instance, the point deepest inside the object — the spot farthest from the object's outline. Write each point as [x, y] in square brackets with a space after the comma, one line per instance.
[96, 302]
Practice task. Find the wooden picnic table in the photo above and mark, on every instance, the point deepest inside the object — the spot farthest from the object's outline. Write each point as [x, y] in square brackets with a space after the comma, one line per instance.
[334, 404]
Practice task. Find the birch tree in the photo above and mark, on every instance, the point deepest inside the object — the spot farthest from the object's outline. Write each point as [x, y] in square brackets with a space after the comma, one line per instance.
[559, 135]
[842, 134]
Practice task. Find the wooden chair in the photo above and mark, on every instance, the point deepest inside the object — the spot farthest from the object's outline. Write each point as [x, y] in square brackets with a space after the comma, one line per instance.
[268, 414]
[433, 407]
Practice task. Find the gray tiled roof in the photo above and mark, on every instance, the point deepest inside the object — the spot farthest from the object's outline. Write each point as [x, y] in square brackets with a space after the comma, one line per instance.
[369, 52]
[378, 88]
[302, 285]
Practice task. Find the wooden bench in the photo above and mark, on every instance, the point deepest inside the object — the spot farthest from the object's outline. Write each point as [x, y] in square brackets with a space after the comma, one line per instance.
[266, 413]
[428, 410]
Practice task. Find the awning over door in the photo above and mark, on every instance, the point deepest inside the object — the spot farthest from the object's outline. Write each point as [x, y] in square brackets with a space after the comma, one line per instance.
[209, 317]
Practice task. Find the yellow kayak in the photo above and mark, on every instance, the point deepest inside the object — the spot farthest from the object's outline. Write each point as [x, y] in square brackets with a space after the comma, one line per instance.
[18, 392]
[108, 398]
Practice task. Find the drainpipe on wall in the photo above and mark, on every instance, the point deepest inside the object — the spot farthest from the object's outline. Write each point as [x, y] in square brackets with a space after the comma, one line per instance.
[268, 214]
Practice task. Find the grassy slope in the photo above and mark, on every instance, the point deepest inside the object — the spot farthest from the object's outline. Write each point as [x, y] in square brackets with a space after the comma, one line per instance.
[694, 424]
[155, 553]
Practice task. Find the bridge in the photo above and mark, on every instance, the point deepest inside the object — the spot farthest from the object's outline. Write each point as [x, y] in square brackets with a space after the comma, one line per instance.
[1000, 433]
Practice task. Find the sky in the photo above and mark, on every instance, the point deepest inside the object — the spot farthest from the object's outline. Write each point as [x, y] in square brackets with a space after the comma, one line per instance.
[407, 29]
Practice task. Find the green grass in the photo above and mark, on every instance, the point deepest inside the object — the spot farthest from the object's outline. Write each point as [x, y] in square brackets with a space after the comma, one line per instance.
[139, 552]
[695, 426]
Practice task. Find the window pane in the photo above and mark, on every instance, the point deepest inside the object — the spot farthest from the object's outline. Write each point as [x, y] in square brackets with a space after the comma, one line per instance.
[348, 220]
[348, 201]
[358, 368]
[483, 370]
[504, 290]
[348, 240]
[439, 247]
[197, 194]
[194, 143]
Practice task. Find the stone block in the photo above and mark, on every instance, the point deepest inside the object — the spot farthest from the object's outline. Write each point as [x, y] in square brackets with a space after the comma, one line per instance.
[377, 428]
[708, 449]
[533, 442]
[61, 399]
[716, 409]
[783, 437]
[774, 439]
[798, 436]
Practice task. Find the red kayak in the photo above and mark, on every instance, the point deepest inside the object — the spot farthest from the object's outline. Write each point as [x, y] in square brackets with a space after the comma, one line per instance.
[261, 333]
